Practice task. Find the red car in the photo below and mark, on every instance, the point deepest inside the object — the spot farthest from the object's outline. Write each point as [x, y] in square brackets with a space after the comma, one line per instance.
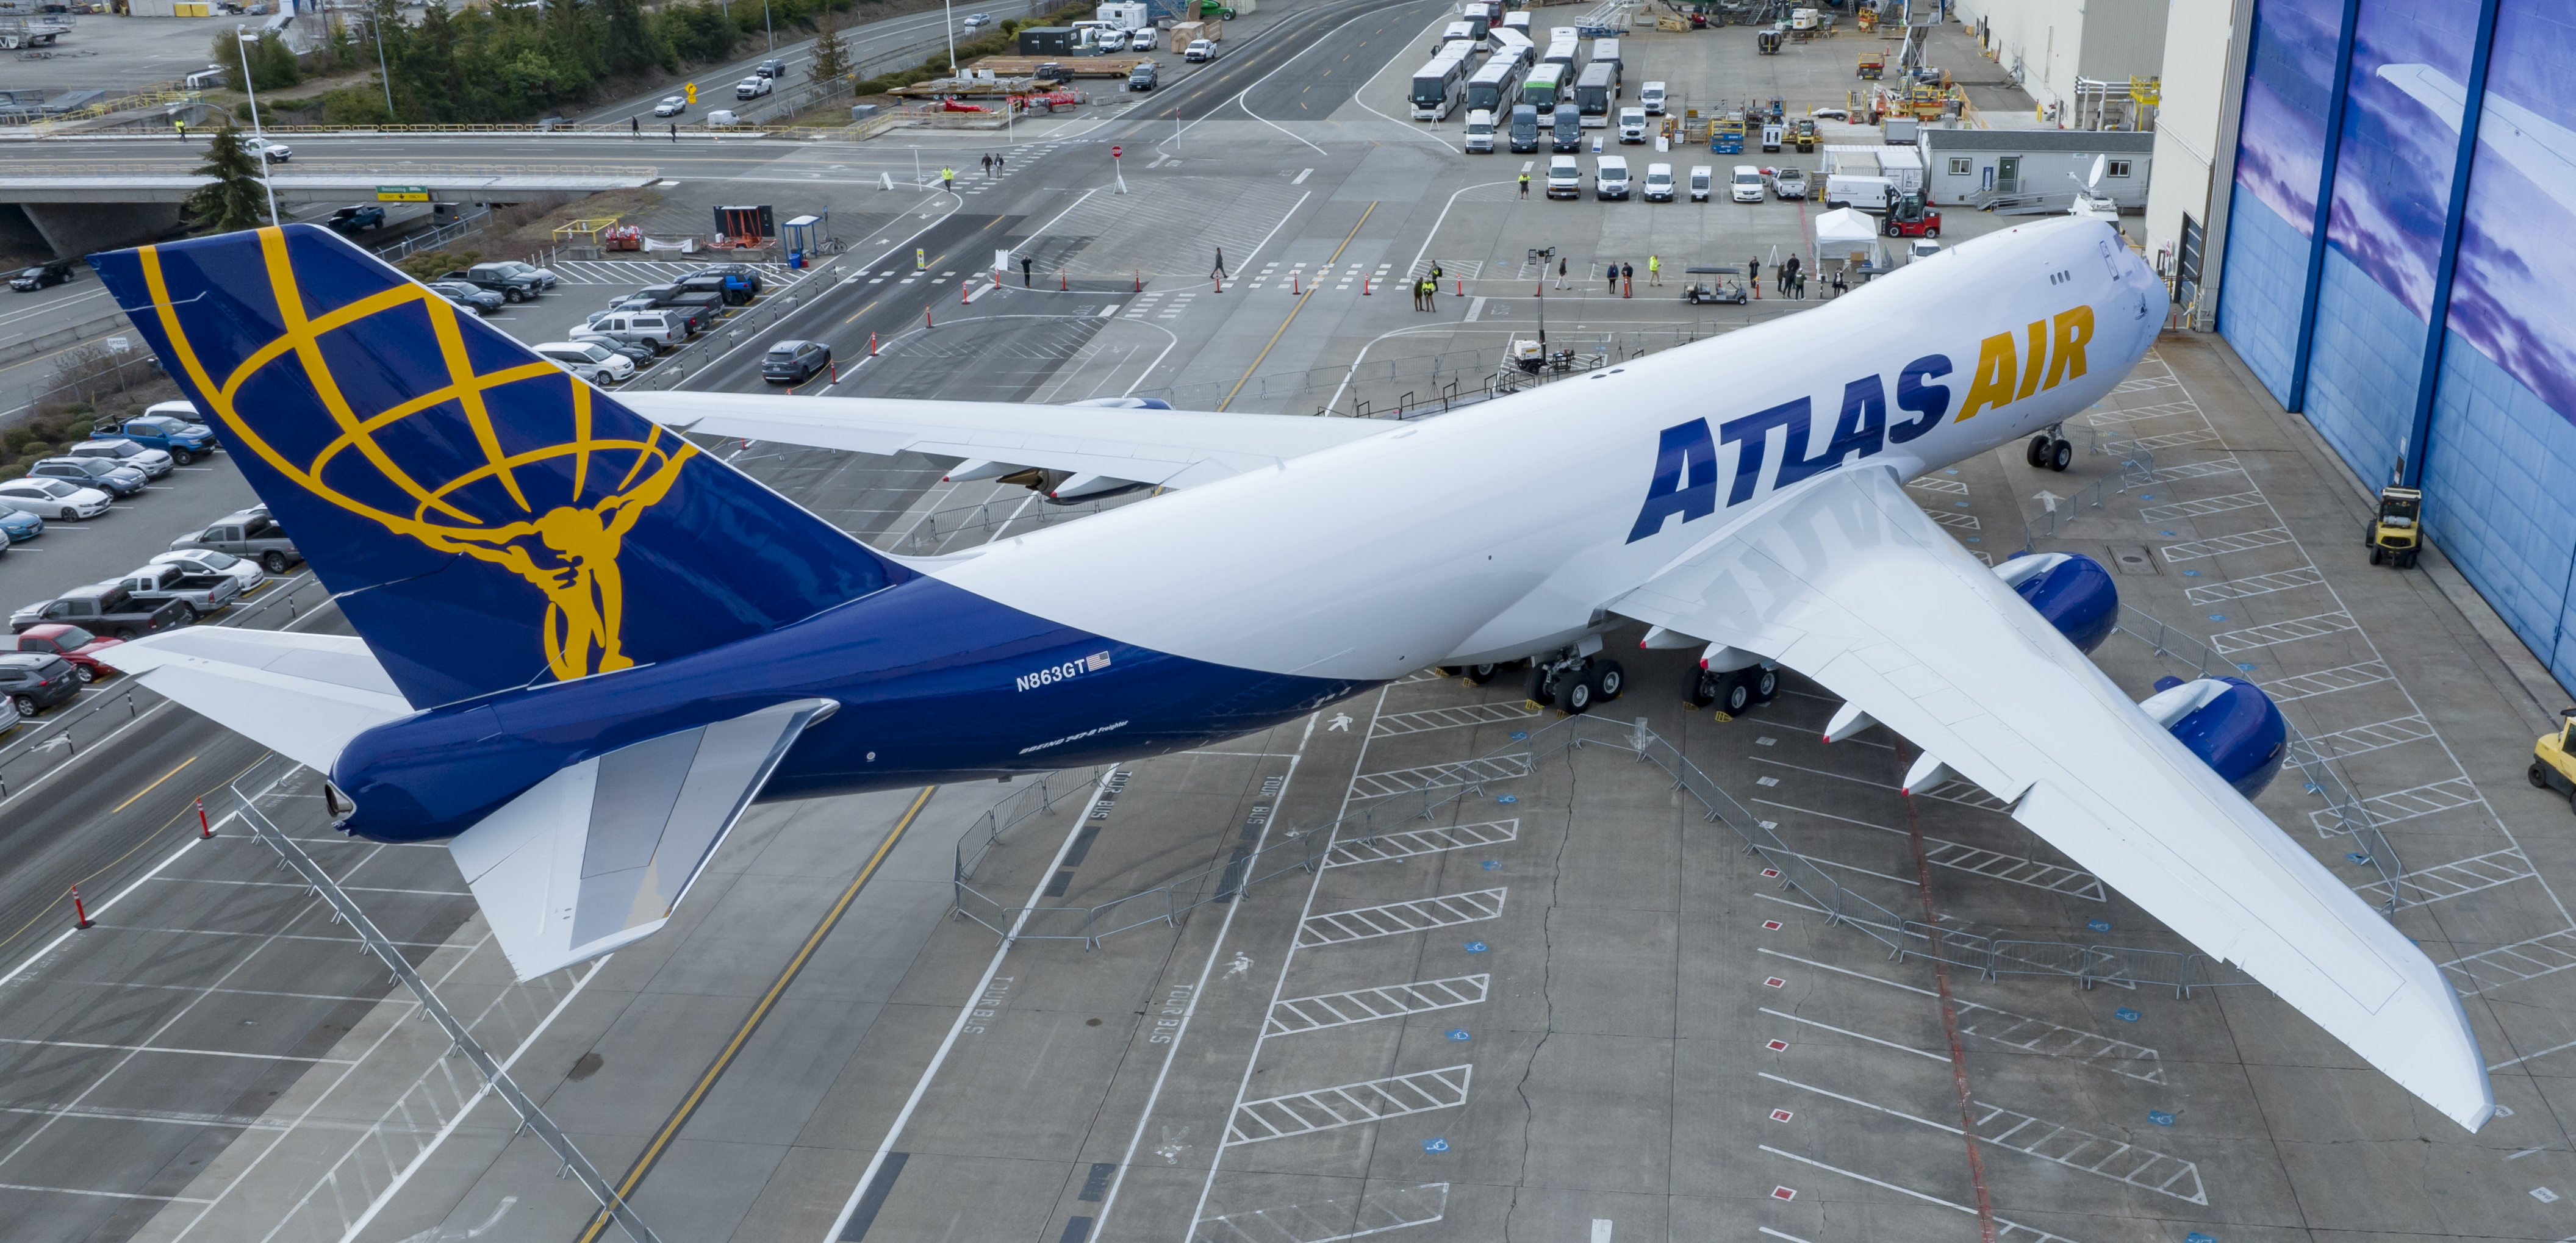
[67, 641]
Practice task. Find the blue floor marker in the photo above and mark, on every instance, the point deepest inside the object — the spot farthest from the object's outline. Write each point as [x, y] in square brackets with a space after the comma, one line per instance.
[2126, 1015]
[2159, 1117]
[1509, 798]
[1520, 735]
[1475, 947]
[2098, 925]
[1440, 1143]
[1458, 1033]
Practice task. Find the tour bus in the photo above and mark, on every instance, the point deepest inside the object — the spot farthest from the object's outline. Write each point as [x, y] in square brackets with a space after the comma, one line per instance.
[1606, 52]
[1510, 45]
[1542, 86]
[1592, 93]
[1437, 88]
[1517, 21]
[1562, 52]
[1456, 32]
[1480, 18]
[1492, 87]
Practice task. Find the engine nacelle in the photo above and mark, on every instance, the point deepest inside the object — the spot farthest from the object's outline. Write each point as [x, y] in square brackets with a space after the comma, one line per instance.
[2074, 592]
[2228, 722]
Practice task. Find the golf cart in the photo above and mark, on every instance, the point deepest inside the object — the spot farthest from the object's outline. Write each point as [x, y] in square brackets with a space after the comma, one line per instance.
[1723, 289]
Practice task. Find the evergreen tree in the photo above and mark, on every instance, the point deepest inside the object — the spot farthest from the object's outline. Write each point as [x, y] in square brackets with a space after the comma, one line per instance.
[235, 199]
[831, 60]
[630, 46]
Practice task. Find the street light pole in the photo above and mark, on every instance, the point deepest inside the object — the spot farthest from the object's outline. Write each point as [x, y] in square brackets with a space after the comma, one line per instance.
[949, 12]
[251, 89]
[767, 25]
[378, 21]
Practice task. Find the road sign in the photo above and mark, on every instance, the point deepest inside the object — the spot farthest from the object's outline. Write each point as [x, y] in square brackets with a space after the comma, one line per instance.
[693, 92]
[402, 194]
[1115, 152]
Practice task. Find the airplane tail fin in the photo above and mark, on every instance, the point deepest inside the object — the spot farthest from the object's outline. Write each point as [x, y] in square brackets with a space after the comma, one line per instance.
[487, 519]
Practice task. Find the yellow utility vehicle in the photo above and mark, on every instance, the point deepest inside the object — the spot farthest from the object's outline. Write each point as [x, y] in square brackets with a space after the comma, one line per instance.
[2553, 766]
[2397, 533]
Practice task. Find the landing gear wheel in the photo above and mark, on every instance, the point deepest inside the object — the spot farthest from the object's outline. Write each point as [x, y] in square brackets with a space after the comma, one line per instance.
[2060, 455]
[2406, 559]
[1705, 687]
[2037, 453]
[1736, 696]
[1478, 675]
[1766, 683]
[2375, 554]
[1608, 679]
[1541, 688]
[2539, 776]
[1575, 695]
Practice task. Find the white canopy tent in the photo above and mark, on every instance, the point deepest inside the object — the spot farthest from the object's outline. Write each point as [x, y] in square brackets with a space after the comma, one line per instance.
[1843, 233]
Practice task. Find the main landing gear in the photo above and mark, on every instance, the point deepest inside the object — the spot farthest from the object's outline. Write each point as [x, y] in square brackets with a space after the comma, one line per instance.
[1734, 692]
[2049, 450]
[1574, 682]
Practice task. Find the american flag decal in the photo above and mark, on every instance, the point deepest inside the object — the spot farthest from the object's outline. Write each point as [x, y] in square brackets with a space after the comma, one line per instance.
[1096, 661]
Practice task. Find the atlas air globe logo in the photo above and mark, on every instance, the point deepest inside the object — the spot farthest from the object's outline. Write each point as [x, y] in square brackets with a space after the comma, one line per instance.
[542, 491]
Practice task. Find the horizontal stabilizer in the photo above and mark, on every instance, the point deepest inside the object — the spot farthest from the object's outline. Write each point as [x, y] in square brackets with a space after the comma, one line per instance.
[303, 696]
[597, 855]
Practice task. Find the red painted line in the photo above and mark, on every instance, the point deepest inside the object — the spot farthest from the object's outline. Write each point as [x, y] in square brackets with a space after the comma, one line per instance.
[1949, 1020]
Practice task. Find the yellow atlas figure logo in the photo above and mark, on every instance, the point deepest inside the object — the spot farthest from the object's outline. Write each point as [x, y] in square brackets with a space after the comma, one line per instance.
[567, 551]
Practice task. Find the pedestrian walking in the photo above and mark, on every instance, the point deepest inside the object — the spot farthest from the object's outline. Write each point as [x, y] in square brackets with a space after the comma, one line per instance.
[675, 131]
[1753, 275]
[1788, 274]
[181, 126]
[948, 180]
[1654, 270]
[1217, 273]
[1840, 286]
[998, 163]
[1614, 280]
[1524, 185]
[1627, 280]
[1560, 274]
[634, 126]
[988, 166]
[1802, 285]
[1026, 263]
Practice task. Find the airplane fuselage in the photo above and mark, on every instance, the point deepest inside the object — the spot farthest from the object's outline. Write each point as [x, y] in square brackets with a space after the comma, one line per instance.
[1501, 531]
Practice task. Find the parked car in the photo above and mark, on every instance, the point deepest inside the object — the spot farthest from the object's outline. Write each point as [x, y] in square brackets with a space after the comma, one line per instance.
[772, 69]
[1744, 184]
[185, 442]
[35, 681]
[748, 275]
[1701, 176]
[68, 641]
[474, 298]
[203, 591]
[103, 608]
[55, 273]
[356, 220]
[1142, 40]
[794, 362]
[183, 410]
[1659, 183]
[273, 152]
[250, 533]
[91, 472]
[545, 277]
[722, 118]
[589, 360]
[482, 276]
[1143, 77]
[208, 561]
[637, 351]
[1199, 50]
[671, 106]
[124, 452]
[59, 499]
[657, 329]
[18, 524]
[1789, 183]
[752, 88]
[696, 311]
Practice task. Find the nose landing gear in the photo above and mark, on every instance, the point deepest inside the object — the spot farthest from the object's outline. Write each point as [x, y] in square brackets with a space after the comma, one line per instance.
[2050, 450]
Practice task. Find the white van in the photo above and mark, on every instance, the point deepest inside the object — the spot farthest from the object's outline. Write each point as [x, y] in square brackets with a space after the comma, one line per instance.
[1480, 131]
[1659, 183]
[1700, 177]
[1870, 194]
[1610, 178]
[1142, 40]
[1653, 97]
[1632, 125]
[1744, 185]
[1564, 177]
[589, 360]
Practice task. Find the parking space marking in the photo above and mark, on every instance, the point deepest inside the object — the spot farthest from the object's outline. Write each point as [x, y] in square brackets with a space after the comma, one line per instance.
[2023, 1032]
[2198, 549]
[1475, 772]
[1993, 864]
[2327, 681]
[2202, 507]
[2457, 878]
[1327, 1010]
[2005, 1231]
[2546, 954]
[2271, 634]
[1413, 842]
[2116, 1160]
[2424, 800]
[2363, 739]
[1845, 1031]
[154, 1048]
[1428, 719]
[1395, 918]
[1349, 1104]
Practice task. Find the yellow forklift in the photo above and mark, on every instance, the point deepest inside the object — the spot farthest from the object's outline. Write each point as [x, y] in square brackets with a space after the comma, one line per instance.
[2554, 765]
[2397, 532]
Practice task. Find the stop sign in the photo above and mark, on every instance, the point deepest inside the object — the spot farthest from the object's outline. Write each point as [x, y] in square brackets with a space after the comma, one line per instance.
[1115, 152]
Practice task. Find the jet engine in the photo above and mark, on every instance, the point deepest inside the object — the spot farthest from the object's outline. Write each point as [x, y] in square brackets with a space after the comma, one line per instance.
[2074, 592]
[2228, 722]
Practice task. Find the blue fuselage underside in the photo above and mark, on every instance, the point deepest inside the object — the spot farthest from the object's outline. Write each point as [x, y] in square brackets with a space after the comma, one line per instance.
[936, 684]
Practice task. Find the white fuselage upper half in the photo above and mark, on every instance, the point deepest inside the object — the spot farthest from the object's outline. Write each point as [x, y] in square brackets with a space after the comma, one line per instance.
[1508, 528]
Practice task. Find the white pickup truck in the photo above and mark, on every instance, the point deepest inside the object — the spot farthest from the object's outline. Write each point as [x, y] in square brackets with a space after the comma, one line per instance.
[203, 591]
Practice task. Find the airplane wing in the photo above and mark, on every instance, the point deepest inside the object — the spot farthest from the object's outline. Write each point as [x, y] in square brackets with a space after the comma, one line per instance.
[1167, 448]
[597, 855]
[303, 696]
[1849, 582]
